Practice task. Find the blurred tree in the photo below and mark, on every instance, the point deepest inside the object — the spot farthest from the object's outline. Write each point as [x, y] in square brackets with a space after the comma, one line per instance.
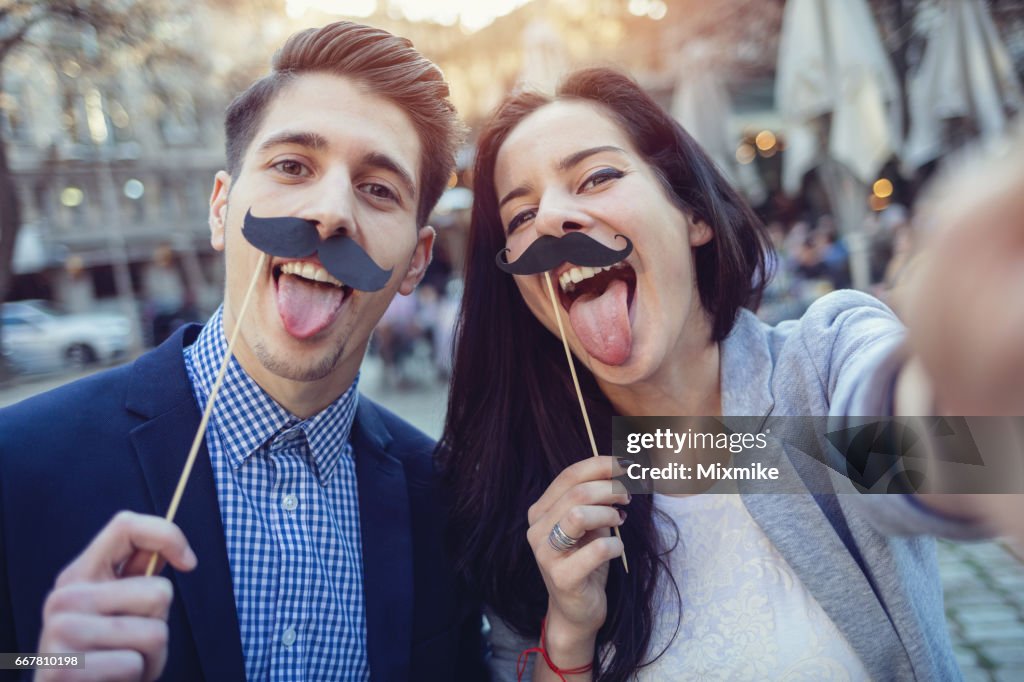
[98, 34]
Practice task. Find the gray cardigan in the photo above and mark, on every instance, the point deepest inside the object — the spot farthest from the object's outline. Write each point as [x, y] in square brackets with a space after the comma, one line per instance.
[840, 358]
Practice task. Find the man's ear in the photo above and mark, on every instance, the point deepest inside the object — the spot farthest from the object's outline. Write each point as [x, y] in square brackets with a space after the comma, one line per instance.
[420, 260]
[700, 232]
[219, 209]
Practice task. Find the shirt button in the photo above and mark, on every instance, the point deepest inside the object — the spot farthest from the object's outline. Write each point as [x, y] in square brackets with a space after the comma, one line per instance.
[290, 502]
[288, 637]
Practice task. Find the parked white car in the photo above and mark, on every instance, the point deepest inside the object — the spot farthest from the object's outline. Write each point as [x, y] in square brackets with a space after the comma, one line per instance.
[38, 339]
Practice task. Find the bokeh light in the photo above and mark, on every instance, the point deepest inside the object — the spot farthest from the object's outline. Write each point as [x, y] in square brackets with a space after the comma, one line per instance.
[71, 197]
[134, 189]
[765, 140]
[745, 153]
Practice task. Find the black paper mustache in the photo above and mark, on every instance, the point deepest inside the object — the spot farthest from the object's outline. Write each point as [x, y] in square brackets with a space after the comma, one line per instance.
[288, 237]
[548, 252]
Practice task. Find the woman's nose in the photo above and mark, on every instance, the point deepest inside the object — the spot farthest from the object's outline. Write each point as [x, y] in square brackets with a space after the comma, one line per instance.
[559, 218]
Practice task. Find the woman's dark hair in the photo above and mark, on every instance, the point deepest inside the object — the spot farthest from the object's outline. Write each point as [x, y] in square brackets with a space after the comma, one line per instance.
[513, 421]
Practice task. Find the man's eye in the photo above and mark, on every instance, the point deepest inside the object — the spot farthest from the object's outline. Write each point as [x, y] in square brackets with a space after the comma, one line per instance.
[292, 167]
[380, 191]
[600, 177]
[519, 219]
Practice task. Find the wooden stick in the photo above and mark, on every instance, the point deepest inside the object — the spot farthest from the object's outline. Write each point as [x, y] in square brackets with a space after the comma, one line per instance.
[201, 431]
[576, 383]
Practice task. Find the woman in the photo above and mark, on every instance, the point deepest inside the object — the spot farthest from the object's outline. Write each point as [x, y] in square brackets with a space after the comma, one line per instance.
[665, 334]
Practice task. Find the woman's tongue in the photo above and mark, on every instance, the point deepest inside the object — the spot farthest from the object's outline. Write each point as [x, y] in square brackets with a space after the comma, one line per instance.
[601, 323]
[306, 308]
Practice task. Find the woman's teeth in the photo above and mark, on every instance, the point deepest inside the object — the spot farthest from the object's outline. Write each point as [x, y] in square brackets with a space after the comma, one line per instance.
[573, 276]
[309, 271]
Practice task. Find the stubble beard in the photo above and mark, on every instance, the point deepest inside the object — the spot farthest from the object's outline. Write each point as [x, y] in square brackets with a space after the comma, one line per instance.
[293, 371]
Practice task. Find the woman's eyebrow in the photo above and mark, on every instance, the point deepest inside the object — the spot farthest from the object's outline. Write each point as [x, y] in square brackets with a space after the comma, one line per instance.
[522, 190]
[576, 157]
[563, 165]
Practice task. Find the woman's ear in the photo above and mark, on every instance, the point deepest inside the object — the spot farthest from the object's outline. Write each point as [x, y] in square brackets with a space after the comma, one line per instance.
[700, 232]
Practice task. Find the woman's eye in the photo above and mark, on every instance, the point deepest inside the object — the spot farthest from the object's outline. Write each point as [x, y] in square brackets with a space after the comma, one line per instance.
[520, 218]
[380, 191]
[292, 167]
[600, 177]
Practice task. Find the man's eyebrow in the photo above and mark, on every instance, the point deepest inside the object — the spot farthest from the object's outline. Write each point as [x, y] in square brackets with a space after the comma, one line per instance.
[301, 139]
[385, 162]
[563, 165]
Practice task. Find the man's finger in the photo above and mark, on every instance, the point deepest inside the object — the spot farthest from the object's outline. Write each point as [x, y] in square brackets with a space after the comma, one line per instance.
[125, 535]
[100, 666]
[136, 596]
[90, 633]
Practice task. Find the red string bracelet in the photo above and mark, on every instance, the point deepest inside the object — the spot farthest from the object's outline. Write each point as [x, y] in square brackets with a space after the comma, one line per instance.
[524, 659]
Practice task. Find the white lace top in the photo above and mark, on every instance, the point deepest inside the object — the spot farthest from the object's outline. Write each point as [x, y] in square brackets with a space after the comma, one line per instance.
[745, 614]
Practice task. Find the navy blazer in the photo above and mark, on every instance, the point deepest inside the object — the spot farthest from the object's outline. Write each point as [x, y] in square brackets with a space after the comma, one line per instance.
[73, 457]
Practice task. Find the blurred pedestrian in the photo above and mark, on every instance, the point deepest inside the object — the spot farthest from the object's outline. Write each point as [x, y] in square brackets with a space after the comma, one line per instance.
[164, 295]
[76, 293]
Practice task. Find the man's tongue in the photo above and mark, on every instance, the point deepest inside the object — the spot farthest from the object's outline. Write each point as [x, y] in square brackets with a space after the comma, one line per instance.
[601, 323]
[306, 308]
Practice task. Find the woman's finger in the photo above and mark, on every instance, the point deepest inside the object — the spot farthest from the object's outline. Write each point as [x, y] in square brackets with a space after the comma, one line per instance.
[576, 523]
[570, 575]
[590, 469]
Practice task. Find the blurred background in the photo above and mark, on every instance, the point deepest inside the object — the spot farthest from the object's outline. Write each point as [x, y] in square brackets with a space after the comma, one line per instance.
[829, 115]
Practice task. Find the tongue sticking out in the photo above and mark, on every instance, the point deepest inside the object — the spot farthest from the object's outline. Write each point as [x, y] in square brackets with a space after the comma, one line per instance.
[306, 308]
[601, 323]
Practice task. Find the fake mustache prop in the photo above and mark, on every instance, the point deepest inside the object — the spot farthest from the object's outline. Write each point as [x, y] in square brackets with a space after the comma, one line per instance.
[548, 252]
[288, 237]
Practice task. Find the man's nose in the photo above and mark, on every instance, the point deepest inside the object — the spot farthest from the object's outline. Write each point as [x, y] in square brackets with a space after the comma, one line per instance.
[333, 207]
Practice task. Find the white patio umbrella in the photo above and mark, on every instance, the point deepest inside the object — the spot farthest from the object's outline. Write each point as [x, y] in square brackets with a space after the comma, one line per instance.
[701, 104]
[966, 73]
[839, 100]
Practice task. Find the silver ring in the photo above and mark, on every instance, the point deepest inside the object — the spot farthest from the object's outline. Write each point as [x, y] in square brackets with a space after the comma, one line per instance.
[561, 540]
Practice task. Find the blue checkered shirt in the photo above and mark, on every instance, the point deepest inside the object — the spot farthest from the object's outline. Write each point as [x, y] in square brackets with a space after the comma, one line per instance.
[289, 505]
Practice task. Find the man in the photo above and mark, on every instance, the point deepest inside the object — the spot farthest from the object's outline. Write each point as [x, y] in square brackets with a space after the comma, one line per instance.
[311, 539]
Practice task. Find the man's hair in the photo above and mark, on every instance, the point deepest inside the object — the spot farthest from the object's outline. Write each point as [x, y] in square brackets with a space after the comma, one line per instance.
[386, 65]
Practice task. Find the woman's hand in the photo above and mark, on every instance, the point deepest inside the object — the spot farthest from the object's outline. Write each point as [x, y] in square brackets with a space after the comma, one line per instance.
[963, 304]
[580, 502]
[963, 307]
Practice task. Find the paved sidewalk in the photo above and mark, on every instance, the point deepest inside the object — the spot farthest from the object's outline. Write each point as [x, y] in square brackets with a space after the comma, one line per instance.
[984, 588]
[983, 582]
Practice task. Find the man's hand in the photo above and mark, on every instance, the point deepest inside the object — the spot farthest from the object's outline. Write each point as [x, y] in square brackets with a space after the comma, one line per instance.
[104, 607]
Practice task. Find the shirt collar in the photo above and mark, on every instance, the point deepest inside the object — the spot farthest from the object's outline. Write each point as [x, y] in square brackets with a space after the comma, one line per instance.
[249, 419]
